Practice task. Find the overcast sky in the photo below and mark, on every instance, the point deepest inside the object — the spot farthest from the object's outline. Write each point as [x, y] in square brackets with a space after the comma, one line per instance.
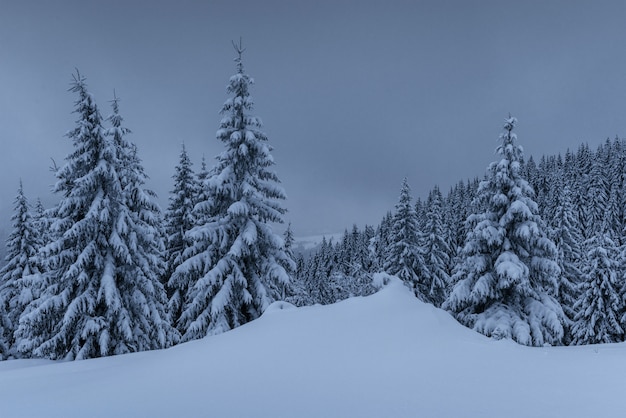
[354, 95]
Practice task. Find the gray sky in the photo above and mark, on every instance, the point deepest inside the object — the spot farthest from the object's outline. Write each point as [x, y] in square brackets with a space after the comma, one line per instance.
[354, 95]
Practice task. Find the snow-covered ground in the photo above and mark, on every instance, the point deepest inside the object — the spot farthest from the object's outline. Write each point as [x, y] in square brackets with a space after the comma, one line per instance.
[386, 355]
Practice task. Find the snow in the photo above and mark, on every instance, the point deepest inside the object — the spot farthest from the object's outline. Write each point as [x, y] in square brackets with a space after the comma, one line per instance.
[277, 306]
[386, 355]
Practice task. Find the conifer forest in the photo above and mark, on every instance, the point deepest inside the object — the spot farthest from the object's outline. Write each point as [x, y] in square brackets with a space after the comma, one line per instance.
[534, 251]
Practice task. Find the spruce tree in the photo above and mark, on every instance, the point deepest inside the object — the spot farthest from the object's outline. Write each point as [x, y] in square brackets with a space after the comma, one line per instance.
[583, 162]
[102, 295]
[289, 240]
[600, 305]
[403, 258]
[180, 221]
[318, 283]
[19, 276]
[41, 221]
[5, 329]
[381, 241]
[458, 207]
[568, 239]
[436, 252]
[508, 267]
[297, 285]
[598, 190]
[236, 264]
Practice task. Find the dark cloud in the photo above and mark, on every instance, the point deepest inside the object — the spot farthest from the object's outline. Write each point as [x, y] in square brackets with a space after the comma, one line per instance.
[354, 95]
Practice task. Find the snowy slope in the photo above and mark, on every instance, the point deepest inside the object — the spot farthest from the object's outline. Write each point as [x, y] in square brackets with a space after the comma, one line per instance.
[386, 355]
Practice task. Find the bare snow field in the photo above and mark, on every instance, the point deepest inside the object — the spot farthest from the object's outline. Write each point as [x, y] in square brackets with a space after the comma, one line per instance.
[386, 355]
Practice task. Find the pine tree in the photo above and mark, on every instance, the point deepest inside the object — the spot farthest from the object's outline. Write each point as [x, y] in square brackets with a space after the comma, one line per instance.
[381, 242]
[180, 221]
[581, 192]
[5, 329]
[351, 277]
[404, 258]
[19, 276]
[289, 240]
[508, 265]
[458, 207]
[236, 264]
[321, 267]
[600, 305]
[436, 252]
[567, 238]
[41, 221]
[102, 295]
[597, 194]
[298, 294]
[204, 173]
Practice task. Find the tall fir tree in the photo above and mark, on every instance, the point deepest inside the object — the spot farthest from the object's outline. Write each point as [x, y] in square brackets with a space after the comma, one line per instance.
[321, 267]
[598, 190]
[41, 221]
[458, 207]
[582, 192]
[381, 241]
[508, 269]
[236, 263]
[436, 252]
[102, 295]
[568, 239]
[403, 258]
[600, 305]
[179, 222]
[5, 329]
[19, 275]
[289, 240]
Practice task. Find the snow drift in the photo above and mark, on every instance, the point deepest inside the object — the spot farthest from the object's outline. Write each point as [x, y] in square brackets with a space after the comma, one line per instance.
[386, 355]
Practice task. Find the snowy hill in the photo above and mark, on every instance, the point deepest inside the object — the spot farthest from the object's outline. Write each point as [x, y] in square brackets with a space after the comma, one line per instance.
[386, 355]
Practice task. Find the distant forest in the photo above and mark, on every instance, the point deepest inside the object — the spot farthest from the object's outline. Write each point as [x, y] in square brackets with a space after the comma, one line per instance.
[575, 202]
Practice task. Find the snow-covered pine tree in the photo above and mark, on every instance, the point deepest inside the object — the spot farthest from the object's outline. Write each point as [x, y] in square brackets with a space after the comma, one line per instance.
[5, 329]
[297, 285]
[458, 210]
[354, 263]
[179, 222]
[318, 281]
[236, 263]
[203, 175]
[598, 190]
[146, 237]
[403, 258]
[380, 243]
[41, 221]
[508, 267]
[365, 249]
[550, 179]
[289, 240]
[18, 277]
[568, 239]
[102, 294]
[614, 212]
[583, 162]
[436, 252]
[599, 306]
